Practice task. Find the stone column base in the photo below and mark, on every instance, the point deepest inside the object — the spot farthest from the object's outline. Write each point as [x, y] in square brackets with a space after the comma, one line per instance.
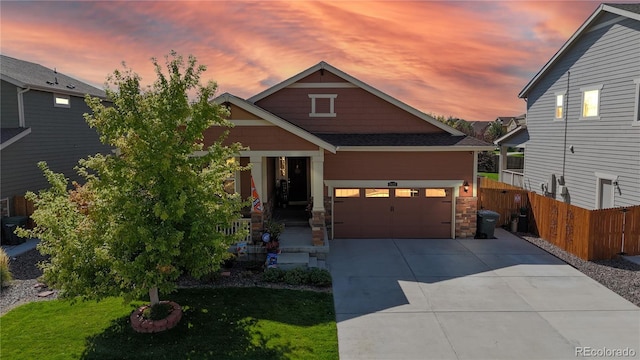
[317, 228]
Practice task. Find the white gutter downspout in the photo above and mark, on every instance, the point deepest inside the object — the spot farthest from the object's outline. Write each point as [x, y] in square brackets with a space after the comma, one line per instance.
[21, 121]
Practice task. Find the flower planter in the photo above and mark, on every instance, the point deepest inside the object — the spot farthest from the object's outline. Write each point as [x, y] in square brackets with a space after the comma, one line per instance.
[142, 325]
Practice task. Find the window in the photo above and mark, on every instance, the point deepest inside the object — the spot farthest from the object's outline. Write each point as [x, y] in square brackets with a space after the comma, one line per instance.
[376, 193]
[559, 106]
[342, 193]
[636, 112]
[591, 102]
[436, 193]
[406, 193]
[322, 105]
[61, 101]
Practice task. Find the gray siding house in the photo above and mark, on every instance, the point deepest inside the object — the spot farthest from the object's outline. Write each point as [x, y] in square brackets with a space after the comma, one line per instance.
[41, 120]
[583, 114]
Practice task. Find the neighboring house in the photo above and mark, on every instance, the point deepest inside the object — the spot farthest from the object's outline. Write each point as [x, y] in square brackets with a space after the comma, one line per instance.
[479, 127]
[511, 169]
[373, 166]
[583, 114]
[41, 120]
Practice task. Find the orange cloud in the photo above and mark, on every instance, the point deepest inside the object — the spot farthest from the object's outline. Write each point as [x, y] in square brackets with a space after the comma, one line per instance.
[466, 59]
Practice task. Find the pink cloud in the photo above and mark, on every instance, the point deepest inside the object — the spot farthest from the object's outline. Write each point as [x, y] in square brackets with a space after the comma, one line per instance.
[466, 59]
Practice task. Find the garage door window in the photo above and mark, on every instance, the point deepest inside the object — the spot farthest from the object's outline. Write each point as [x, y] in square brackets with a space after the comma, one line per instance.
[376, 193]
[346, 193]
[406, 193]
[436, 193]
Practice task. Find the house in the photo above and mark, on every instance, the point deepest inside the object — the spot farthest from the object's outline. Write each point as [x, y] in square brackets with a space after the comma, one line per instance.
[372, 166]
[583, 114]
[480, 127]
[511, 168]
[42, 120]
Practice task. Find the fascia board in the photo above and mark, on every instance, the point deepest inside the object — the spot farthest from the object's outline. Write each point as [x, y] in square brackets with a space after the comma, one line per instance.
[414, 148]
[523, 93]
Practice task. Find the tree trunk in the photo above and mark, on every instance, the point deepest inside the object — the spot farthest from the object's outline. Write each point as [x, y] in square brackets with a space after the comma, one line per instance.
[153, 296]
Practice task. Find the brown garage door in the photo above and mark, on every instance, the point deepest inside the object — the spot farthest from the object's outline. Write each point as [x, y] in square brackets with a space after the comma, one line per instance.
[392, 213]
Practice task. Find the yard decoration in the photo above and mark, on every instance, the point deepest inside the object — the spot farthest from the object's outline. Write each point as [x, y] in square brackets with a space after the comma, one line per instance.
[154, 210]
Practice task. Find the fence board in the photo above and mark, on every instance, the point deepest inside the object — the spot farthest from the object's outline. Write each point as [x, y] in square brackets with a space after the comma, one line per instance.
[589, 234]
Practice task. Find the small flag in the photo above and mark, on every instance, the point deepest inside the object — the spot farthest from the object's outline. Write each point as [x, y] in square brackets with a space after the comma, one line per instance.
[257, 204]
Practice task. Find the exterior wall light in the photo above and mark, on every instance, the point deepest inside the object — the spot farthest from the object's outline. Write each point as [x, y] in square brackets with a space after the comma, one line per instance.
[466, 186]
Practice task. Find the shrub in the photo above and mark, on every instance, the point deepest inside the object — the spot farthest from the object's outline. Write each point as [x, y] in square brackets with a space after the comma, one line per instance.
[5, 274]
[157, 311]
[319, 277]
[297, 276]
[273, 275]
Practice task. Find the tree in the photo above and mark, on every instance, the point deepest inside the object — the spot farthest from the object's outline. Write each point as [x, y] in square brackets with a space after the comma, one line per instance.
[155, 211]
[493, 132]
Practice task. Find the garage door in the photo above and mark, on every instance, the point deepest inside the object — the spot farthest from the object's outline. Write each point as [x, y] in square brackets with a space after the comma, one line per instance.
[392, 213]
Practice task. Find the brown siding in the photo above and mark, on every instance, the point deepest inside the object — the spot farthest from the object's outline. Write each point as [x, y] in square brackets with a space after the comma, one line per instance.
[259, 138]
[357, 111]
[400, 166]
[241, 114]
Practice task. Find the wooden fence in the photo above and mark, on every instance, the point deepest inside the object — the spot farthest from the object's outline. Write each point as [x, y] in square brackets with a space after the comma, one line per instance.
[589, 234]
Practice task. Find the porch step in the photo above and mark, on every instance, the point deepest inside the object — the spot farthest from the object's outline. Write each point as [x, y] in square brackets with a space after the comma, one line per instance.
[288, 261]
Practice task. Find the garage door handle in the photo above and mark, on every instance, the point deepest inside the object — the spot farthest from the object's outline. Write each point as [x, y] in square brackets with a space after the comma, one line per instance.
[392, 209]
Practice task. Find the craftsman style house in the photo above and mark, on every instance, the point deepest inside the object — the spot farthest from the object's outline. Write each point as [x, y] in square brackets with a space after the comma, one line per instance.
[369, 165]
[583, 114]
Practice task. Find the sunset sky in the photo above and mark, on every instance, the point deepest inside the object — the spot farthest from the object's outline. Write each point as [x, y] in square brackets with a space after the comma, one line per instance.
[467, 59]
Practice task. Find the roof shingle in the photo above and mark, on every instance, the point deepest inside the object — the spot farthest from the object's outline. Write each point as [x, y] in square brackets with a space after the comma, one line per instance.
[427, 139]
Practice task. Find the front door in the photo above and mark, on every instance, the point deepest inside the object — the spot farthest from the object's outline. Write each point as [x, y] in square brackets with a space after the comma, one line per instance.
[606, 194]
[298, 189]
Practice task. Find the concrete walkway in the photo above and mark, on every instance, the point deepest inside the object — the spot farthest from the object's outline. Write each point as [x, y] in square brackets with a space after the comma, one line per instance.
[501, 298]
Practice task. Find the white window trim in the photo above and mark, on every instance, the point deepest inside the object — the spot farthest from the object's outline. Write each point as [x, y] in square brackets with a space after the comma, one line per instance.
[604, 176]
[564, 105]
[331, 98]
[636, 109]
[590, 88]
[61, 96]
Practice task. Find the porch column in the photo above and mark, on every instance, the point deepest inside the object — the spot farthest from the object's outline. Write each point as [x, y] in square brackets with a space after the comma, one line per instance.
[317, 191]
[502, 162]
[257, 217]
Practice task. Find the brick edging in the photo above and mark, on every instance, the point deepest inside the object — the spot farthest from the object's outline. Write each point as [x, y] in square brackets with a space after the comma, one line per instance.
[142, 325]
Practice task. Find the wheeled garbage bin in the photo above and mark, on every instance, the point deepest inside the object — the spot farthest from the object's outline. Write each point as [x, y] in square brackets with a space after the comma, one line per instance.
[487, 221]
[9, 225]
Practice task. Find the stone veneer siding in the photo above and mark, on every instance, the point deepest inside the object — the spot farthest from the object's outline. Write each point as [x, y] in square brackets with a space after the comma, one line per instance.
[466, 209]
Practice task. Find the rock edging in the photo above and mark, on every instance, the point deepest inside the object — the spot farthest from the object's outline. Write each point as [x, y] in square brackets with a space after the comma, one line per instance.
[142, 325]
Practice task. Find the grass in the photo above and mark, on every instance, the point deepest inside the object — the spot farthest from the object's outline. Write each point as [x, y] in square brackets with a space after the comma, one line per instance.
[225, 323]
[492, 176]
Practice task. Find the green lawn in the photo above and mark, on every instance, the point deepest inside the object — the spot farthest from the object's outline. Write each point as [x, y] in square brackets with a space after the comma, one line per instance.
[492, 176]
[227, 323]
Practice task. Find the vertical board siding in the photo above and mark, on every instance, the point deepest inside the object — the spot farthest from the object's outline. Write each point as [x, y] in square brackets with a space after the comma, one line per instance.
[588, 234]
[607, 56]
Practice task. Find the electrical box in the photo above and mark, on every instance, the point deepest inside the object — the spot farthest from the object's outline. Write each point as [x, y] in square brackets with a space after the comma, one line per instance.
[562, 189]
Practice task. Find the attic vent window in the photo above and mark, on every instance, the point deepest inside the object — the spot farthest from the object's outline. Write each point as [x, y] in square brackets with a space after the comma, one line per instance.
[322, 105]
[61, 100]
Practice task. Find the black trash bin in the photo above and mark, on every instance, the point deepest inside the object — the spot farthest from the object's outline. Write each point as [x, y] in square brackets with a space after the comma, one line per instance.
[487, 221]
[9, 225]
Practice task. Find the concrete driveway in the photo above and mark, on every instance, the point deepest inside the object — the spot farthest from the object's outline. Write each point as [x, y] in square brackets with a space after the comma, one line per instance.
[472, 299]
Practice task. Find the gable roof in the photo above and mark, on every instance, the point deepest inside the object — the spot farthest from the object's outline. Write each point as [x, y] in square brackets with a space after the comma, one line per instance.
[517, 137]
[26, 74]
[274, 119]
[326, 67]
[631, 11]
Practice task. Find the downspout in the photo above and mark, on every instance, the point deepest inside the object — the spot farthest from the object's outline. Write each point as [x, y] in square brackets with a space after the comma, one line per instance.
[566, 120]
[21, 120]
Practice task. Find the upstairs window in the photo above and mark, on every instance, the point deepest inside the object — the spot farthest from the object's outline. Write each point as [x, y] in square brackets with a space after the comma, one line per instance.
[591, 102]
[323, 105]
[61, 100]
[559, 106]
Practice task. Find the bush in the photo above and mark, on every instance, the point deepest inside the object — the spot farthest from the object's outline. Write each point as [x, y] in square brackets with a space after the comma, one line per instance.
[158, 311]
[297, 276]
[5, 274]
[319, 277]
[273, 275]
